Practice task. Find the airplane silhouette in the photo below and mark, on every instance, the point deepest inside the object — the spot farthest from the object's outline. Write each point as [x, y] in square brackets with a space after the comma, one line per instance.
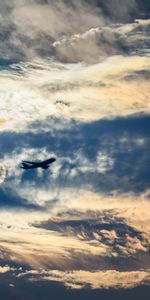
[37, 164]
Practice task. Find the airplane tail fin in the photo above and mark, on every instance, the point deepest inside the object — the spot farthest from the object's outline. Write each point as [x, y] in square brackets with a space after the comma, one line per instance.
[24, 166]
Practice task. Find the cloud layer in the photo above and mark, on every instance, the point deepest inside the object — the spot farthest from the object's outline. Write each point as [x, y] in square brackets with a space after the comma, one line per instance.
[74, 84]
[30, 29]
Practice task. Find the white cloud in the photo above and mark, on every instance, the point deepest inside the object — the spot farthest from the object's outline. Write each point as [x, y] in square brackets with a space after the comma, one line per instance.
[27, 98]
[2, 173]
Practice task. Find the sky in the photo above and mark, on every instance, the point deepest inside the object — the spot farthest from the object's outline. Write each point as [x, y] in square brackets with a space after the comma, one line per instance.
[75, 85]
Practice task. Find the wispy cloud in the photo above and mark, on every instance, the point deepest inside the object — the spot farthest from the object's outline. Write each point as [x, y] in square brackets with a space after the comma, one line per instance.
[29, 28]
[95, 280]
[90, 92]
[75, 83]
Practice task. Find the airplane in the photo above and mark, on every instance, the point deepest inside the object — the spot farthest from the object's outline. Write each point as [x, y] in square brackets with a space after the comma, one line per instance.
[26, 165]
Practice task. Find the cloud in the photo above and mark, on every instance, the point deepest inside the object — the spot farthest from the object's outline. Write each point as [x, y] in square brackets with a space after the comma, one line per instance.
[82, 237]
[2, 173]
[104, 230]
[104, 41]
[4, 269]
[91, 92]
[117, 161]
[29, 29]
[74, 83]
[94, 280]
[80, 234]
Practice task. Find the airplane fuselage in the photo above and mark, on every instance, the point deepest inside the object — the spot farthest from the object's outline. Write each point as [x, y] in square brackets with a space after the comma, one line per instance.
[33, 165]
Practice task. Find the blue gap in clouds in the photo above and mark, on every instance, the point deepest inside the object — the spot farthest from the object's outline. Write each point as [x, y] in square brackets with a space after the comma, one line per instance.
[125, 140]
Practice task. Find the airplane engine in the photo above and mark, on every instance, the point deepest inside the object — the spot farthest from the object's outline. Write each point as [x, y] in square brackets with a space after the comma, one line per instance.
[45, 167]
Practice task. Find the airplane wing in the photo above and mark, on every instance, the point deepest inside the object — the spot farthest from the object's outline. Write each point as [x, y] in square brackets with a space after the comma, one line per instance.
[26, 166]
[29, 162]
[48, 161]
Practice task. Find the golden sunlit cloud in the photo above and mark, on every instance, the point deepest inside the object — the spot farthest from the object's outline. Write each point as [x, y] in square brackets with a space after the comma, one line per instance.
[84, 93]
[96, 280]
[68, 241]
[3, 123]
[4, 269]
